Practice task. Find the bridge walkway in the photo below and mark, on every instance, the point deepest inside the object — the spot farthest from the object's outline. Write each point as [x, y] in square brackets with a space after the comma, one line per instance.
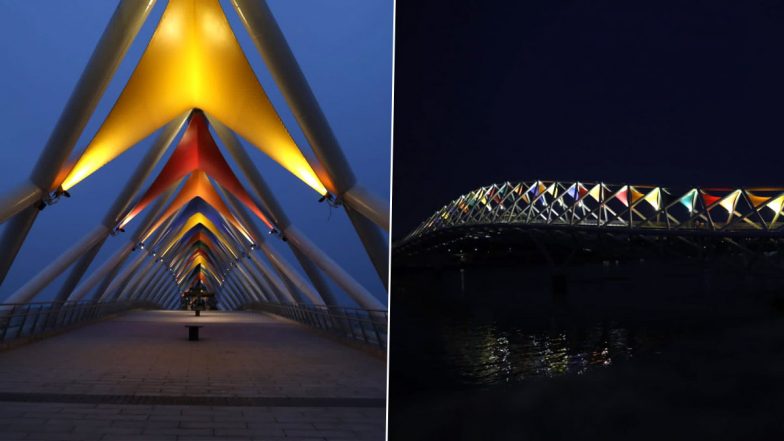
[251, 376]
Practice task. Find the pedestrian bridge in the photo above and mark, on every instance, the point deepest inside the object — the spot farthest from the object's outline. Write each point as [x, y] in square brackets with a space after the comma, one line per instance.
[572, 218]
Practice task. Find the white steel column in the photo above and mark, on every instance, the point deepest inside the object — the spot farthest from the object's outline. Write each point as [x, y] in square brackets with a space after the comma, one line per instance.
[357, 292]
[274, 279]
[111, 263]
[112, 46]
[276, 212]
[269, 292]
[110, 293]
[124, 199]
[283, 66]
[154, 211]
[134, 282]
[31, 289]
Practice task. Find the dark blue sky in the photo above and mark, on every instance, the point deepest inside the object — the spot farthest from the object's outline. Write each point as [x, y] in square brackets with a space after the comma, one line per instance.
[344, 47]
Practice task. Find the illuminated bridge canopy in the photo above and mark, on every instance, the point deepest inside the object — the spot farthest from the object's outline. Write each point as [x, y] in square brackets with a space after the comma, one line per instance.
[196, 225]
[607, 206]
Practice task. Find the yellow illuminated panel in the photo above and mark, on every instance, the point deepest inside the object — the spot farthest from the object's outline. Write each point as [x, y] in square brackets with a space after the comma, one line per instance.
[776, 204]
[188, 270]
[205, 239]
[595, 192]
[729, 202]
[193, 61]
[654, 198]
[205, 267]
[198, 259]
[194, 220]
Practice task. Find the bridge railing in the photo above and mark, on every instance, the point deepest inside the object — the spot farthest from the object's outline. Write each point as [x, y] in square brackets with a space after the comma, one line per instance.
[22, 320]
[360, 325]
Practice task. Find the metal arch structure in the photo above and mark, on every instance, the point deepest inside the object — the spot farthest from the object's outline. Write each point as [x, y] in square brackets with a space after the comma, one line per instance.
[740, 218]
[200, 223]
[604, 205]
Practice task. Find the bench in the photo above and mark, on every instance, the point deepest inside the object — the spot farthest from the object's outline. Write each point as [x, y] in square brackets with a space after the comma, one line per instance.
[193, 332]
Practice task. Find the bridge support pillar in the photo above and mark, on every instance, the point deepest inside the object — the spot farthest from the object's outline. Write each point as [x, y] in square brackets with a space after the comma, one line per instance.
[357, 292]
[274, 279]
[125, 198]
[120, 32]
[271, 43]
[31, 289]
[106, 273]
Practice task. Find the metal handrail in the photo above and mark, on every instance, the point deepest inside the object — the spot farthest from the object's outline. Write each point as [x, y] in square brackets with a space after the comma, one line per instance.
[361, 325]
[21, 320]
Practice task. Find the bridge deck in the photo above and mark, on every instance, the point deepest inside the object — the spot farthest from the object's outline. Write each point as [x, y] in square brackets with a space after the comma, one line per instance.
[252, 376]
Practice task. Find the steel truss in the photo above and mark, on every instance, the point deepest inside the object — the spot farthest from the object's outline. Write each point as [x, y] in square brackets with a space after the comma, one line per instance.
[557, 223]
[608, 206]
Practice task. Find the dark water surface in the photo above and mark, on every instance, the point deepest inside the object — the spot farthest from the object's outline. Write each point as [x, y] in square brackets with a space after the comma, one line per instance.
[480, 353]
[483, 353]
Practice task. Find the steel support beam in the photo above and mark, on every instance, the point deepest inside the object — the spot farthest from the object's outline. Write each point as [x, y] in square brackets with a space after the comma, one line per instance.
[153, 284]
[155, 287]
[174, 292]
[273, 256]
[269, 292]
[298, 240]
[260, 293]
[356, 291]
[161, 289]
[225, 299]
[292, 276]
[112, 46]
[243, 291]
[246, 284]
[134, 282]
[29, 290]
[112, 291]
[146, 285]
[283, 292]
[122, 203]
[271, 43]
[153, 212]
[99, 274]
[268, 200]
[144, 293]
[175, 301]
[374, 242]
[167, 287]
[336, 173]
[18, 199]
[368, 205]
[231, 294]
[77, 271]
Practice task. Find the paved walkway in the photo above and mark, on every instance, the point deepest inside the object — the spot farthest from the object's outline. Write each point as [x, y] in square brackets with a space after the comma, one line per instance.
[251, 376]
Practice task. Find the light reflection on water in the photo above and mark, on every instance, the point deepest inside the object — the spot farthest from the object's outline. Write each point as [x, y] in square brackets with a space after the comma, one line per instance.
[484, 354]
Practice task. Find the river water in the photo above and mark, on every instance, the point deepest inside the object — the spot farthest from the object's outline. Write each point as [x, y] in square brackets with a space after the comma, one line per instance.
[464, 342]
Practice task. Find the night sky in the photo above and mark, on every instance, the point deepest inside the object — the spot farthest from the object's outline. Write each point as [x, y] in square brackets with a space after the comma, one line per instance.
[344, 48]
[674, 93]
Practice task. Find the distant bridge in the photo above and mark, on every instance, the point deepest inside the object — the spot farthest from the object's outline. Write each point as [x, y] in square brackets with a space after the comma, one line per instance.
[746, 220]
